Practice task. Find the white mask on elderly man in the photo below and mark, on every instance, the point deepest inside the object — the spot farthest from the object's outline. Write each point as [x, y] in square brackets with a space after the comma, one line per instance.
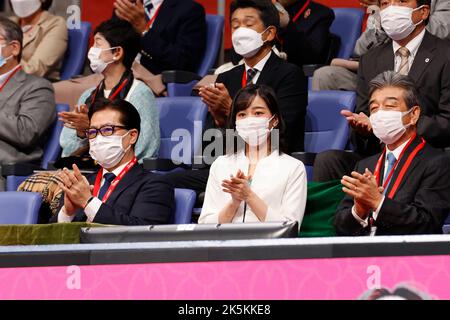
[254, 130]
[25, 8]
[107, 151]
[388, 125]
[247, 42]
[397, 21]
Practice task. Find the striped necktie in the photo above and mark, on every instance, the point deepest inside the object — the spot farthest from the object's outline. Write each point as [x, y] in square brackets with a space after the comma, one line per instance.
[404, 62]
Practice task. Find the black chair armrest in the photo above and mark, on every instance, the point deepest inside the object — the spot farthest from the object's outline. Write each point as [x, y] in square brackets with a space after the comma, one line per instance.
[179, 76]
[163, 165]
[308, 69]
[306, 157]
[19, 169]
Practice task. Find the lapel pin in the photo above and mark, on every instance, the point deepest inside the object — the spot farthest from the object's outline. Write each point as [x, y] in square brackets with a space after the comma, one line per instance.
[427, 60]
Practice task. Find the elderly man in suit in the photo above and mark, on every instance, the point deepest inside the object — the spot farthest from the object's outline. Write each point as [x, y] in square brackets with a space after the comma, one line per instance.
[405, 188]
[121, 193]
[27, 103]
[411, 50]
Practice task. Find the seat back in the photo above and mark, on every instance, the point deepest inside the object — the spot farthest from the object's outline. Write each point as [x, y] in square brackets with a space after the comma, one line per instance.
[184, 203]
[181, 123]
[73, 62]
[19, 207]
[214, 36]
[325, 127]
[53, 148]
[347, 25]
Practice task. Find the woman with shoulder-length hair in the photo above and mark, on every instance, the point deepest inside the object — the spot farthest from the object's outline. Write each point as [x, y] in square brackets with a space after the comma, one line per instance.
[257, 181]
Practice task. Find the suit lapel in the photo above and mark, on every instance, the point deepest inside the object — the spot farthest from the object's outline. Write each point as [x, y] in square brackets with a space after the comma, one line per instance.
[402, 162]
[269, 70]
[127, 180]
[423, 58]
[164, 16]
[11, 87]
[386, 59]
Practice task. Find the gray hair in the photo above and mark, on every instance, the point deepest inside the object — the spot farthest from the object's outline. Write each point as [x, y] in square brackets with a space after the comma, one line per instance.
[11, 31]
[397, 80]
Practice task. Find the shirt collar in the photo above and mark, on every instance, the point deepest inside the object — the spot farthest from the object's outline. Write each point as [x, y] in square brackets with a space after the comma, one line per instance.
[397, 151]
[5, 76]
[116, 171]
[260, 65]
[412, 46]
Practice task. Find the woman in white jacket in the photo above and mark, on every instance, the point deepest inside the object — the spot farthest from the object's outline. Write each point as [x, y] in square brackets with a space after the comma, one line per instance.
[256, 181]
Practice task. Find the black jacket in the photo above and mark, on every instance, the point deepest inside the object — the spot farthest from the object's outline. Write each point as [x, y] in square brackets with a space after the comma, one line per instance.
[421, 203]
[290, 85]
[307, 41]
[177, 40]
[431, 72]
[140, 198]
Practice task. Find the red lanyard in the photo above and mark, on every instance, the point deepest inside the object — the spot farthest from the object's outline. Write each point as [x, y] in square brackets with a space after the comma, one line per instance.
[244, 79]
[404, 169]
[150, 22]
[112, 96]
[301, 11]
[9, 77]
[114, 183]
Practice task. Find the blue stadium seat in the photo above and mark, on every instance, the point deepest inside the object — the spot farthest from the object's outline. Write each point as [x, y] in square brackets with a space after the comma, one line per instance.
[180, 83]
[184, 119]
[17, 173]
[184, 203]
[347, 25]
[73, 63]
[325, 128]
[19, 207]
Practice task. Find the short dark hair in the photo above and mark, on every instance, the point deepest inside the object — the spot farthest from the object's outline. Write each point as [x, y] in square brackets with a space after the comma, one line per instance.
[12, 32]
[267, 11]
[120, 33]
[129, 116]
[396, 80]
[244, 98]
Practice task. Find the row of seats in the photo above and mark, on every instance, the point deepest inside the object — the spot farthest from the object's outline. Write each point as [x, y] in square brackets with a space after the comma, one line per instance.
[346, 27]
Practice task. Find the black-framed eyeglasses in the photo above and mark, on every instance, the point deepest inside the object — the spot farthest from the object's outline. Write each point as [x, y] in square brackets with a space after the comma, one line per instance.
[105, 131]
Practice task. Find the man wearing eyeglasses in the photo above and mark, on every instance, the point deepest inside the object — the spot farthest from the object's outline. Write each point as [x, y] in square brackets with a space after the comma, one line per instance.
[121, 193]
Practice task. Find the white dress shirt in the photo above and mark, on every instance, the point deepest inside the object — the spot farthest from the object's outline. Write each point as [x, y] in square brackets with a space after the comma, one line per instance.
[396, 153]
[94, 205]
[279, 180]
[258, 67]
[412, 46]
[4, 77]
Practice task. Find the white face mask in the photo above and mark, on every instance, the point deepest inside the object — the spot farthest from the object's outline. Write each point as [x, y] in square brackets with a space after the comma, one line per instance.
[3, 60]
[247, 42]
[107, 151]
[25, 8]
[397, 21]
[254, 130]
[388, 125]
[96, 63]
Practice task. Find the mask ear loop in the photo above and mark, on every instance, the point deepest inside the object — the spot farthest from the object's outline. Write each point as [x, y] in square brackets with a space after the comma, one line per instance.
[406, 113]
[418, 8]
[128, 148]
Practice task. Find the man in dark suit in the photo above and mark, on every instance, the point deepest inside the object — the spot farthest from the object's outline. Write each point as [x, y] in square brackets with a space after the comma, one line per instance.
[173, 32]
[305, 31]
[121, 193]
[427, 62]
[261, 66]
[405, 189]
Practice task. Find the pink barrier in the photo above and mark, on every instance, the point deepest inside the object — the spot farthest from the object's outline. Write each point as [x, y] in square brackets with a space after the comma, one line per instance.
[343, 278]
